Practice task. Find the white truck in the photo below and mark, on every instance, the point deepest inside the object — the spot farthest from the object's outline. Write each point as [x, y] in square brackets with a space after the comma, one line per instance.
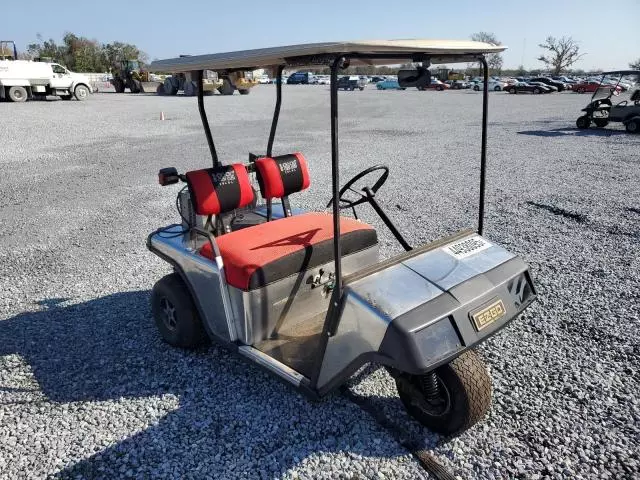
[24, 79]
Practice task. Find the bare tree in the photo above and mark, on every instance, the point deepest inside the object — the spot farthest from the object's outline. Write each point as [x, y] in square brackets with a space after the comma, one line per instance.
[635, 65]
[562, 53]
[494, 60]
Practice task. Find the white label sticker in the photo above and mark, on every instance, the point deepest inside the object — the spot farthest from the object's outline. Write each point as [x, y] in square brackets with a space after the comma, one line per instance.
[467, 247]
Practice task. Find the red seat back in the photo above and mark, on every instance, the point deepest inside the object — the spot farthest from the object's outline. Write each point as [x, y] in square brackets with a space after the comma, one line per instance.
[219, 190]
[282, 175]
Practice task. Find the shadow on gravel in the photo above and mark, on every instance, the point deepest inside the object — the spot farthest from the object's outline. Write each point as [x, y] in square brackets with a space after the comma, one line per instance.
[561, 132]
[233, 419]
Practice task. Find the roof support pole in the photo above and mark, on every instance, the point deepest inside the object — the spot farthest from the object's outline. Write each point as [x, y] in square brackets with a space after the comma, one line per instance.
[199, 74]
[333, 313]
[276, 112]
[483, 151]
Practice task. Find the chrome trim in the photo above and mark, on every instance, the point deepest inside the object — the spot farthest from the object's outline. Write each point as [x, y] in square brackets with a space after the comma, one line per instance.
[206, 278]
[280, 369]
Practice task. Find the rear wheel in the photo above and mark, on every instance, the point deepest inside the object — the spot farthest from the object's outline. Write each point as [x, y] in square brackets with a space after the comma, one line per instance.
[497, 88]
[175, 313]
[476, 88]
[18, 94]
[633, 126]
[81, 92]
[452, 398]
[581, 90]
[601, 122]
[244, 91]
[227, 88]
[583, 122]
[512, 90]
[536, 91]
[66, 97]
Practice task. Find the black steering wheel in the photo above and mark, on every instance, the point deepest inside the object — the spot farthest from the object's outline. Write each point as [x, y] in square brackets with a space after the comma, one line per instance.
[364, 197]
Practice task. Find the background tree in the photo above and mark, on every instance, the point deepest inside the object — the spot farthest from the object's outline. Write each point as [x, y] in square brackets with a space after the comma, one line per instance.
[81, 54]
[561, 53]
[635, 65]
[494, 60]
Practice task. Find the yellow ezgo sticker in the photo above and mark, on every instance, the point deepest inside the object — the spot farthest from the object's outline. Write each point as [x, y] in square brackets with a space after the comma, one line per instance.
[488, 315]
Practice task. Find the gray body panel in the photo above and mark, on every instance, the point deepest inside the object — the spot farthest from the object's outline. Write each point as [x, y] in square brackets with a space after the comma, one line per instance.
[414, 314]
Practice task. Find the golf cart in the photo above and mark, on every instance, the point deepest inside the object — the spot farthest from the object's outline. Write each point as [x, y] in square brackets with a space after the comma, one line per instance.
[303, 294]
[614, 102]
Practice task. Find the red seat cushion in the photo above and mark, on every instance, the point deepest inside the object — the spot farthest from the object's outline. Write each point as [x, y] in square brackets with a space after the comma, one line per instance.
[219, 190]
[258, 255]
[282, 175]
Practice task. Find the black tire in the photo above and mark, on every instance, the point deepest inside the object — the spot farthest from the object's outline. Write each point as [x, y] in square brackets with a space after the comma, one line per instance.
[581, 90]
[633, 125]
[118, 85]
[536, 91]
[465, 387]
[139, 87]
[497, 88]
[66, 97]
[81, 92]
[227, 87]
[512, 90]
[244, 91]
[476, 88]
[17, 94]
[160, 90]
[175, 314]
[361, 88]
[583, 122]
[601, 122]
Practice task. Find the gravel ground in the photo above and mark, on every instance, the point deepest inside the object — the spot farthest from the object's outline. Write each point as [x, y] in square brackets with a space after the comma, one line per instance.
[88, 389]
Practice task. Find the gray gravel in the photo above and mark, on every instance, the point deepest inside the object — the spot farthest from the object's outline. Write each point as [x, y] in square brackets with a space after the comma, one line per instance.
[88, 390]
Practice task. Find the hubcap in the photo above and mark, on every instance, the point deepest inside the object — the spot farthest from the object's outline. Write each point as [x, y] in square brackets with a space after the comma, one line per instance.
[633, 126]
[82, 92]
[168, 314]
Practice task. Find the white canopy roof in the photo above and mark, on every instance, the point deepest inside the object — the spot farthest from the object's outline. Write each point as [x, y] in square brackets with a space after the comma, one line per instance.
[440, 51]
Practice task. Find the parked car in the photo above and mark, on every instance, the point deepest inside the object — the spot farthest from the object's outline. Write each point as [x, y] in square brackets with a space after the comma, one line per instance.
[523, 87]
[435, 85]
[591, 86]
[460, 84]
[351, 82]
[304, 78]
[546, 88]
[376, 79]
[324, 79]
[548, 81]
[493, 85]
[264, 79]
[389, 85]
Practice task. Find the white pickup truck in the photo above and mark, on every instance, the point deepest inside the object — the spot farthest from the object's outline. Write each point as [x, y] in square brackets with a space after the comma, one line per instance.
[24, 79]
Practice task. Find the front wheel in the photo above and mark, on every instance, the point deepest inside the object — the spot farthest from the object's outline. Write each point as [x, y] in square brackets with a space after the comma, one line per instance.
[476, 88]
[633, 126]
[452, 398]
[537, 91]
[175, 314]
[497, 88]
[581, 90]
[81, 92]
[583, 122]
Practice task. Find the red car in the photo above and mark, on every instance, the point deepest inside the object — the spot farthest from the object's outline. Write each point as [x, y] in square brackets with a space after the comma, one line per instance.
[591, 86]
[435, 85]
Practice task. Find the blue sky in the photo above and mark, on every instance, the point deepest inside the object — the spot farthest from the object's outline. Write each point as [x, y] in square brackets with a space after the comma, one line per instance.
[607, 31]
